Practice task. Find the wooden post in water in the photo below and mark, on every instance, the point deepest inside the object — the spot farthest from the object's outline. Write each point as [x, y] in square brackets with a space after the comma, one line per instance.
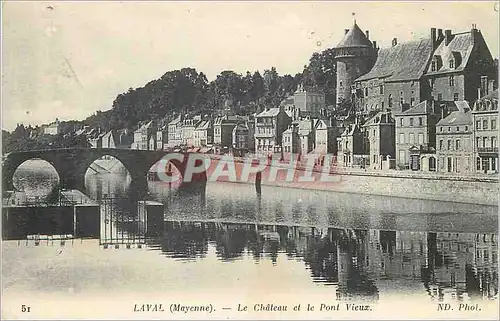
[258, 182]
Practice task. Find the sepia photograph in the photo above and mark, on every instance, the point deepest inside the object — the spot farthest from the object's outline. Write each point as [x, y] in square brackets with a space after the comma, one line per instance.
[249, 160]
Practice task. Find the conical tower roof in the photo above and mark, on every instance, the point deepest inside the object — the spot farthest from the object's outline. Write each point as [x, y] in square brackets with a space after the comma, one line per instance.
[354, 38]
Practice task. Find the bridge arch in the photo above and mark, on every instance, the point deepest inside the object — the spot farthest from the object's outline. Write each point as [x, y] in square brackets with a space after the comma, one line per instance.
[71, 164]
[32, 173]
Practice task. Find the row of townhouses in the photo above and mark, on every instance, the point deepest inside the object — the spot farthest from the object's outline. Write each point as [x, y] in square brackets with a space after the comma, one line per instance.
[423, 105]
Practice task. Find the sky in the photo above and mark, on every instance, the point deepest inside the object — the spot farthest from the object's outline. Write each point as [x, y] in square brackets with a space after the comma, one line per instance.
[67, 60]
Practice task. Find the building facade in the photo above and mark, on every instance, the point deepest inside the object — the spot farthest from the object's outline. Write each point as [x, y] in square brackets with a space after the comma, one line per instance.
[460, 63]
[175, 132]
[351, 146]
[308, 103]
[381, 136]
[162, 138]
[269, 127]
[416, 135]
[204, 134]
[454, 142]
[485, 122]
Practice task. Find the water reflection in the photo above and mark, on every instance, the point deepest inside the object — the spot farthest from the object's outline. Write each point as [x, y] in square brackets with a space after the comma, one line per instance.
[360, 263]
[362, 245]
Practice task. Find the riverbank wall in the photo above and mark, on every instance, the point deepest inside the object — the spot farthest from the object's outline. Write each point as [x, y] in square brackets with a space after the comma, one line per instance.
[483, 190]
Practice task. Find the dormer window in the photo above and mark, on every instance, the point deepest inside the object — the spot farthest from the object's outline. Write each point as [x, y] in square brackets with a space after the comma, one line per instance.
[436, 63]
[452, 64]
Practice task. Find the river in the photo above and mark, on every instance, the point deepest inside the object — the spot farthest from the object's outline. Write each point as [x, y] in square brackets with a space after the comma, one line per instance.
[338, 245]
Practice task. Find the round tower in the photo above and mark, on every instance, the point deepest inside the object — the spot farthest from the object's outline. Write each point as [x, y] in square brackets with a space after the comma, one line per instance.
[355, 55]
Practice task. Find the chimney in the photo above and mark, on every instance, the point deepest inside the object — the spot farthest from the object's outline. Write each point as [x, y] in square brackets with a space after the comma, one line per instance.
[473, 32]
[433, 38]
[478, 93]
[368, 34]
[346, 31]
[491, 85]
[447, 36]
[374, 45]
[394, 41]
[440, 35]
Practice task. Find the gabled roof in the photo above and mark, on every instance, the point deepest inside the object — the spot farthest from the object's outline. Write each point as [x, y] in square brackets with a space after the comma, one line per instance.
[322, 123]
[354, 38]
[421, 108]
[204, 124]
[456, 118]
[271, 112]
[382, 117]
[459, 49]
[176, 120]
[404, 61]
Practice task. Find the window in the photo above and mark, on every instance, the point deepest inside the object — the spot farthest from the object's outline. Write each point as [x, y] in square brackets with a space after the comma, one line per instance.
[441, 144]
[440, 97]
[455, 96]
[420, 139]
[420, 121]
[457, 144]
[478, 124]
[493, 142]
[466, 128]
[441, 128]
[452, 80]
[433, 66]
[402, 157]
[382, 105]
[478, 163]
[449, 128]
[485, 124]
[401, 98]
[340, 84]
[493, 124]
[485, 142]
[452, 64]
[402, 138]
[401, 123]
[390, 101]
[381, 89]
[366, 92]
[412, 138]
[411, 122]
[458, 128]
[478, 142]
[450, 145]
[412, 101]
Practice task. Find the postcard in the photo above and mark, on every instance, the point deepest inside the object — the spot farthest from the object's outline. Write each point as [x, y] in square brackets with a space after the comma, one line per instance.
[250, 160]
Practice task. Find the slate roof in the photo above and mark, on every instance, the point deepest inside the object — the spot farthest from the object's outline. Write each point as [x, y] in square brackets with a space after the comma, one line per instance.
[421, 108]
[459, 48]
[381, 117]
[405, 61]
[456, 118]
[354, 38]
[269, 113]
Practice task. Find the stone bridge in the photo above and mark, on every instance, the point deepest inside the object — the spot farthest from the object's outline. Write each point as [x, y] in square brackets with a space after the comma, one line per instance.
[72, 163]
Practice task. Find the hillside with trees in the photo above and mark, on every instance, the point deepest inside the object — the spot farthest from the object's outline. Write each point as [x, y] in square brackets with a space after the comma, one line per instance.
[188, 91]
